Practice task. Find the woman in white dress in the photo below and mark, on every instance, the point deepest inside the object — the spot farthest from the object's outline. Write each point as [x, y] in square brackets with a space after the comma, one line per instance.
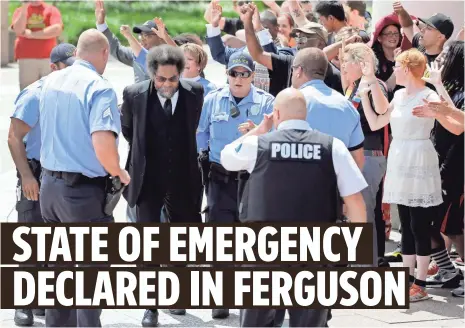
[412, 179]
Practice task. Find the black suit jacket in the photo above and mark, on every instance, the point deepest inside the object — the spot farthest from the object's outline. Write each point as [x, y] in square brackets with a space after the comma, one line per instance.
[133, 123]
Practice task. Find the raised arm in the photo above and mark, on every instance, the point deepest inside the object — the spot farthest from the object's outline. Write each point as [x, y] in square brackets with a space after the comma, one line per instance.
[136, 47]
[162, 33]
[121, 53]
[375, 121]
[369, 80]
[298, 14]
[405, 20]
[253, 45]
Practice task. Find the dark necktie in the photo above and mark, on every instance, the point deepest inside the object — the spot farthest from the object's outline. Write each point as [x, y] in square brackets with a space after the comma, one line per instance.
[168, 108]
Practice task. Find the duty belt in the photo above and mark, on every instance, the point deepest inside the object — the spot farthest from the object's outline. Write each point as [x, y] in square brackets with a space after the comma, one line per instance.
[218, 171]
[76, 178]
[374, 153]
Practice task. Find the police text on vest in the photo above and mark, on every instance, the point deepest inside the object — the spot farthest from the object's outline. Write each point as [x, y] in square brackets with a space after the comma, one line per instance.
[296, 151]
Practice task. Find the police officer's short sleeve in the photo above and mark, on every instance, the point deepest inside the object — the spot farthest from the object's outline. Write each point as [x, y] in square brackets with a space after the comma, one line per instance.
[349, 178]
[27, 105]
[104, 113]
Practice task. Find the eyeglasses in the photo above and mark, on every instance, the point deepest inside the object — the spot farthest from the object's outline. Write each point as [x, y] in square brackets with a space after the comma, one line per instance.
[242, 75]
[391, 34]
[162, 79]
[241, 3]
[145, 35]
[301, 39]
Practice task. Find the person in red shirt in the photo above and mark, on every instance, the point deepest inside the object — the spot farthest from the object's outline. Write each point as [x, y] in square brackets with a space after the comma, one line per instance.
[37, 25]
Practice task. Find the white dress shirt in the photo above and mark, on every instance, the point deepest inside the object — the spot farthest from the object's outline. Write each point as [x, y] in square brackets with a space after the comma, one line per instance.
[242, 155]
[174, 100]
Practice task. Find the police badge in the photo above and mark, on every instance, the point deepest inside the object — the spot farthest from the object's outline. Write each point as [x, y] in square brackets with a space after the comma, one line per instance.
[254, 110]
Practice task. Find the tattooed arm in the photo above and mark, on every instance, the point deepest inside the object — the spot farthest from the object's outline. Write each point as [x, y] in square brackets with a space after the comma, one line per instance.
[297, 13]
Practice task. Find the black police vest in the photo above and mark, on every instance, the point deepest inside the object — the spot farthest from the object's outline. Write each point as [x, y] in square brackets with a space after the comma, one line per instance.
[293, 179]
[166, 144]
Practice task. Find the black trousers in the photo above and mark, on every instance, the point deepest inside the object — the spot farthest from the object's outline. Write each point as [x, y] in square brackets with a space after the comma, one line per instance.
[64, 203]
[178, 201]
[222, 201]
[379, 222]
[417, 229]
[274, 318]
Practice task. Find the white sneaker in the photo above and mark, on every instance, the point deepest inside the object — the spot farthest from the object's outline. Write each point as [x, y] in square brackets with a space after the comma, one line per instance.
[444, 279]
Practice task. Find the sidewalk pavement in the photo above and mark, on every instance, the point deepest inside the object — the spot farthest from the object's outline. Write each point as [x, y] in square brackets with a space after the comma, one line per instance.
[442, 311]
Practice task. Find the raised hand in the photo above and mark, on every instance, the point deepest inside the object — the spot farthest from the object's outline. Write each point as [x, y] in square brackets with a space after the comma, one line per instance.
[435, 73]
[160, 31]
[368, 67]
[257, 24]
[398, 8]
[246, 13]
[216, 13]
[266, 124]
[432, 109]
[125, 31]
[99, 12]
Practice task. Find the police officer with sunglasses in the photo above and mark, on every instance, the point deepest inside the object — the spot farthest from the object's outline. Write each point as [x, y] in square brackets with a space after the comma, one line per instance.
[227, 113]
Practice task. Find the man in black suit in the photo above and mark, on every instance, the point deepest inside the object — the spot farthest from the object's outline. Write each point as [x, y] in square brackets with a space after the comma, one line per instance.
[159, 120]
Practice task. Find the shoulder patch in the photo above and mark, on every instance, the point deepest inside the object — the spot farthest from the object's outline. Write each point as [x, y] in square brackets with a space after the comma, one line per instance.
[107, 113]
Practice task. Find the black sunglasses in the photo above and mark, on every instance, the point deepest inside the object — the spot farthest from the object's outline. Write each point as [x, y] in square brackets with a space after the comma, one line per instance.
[241, 3]
[244, 75]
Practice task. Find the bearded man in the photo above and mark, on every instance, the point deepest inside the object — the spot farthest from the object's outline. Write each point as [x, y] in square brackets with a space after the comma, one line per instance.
[159, 120]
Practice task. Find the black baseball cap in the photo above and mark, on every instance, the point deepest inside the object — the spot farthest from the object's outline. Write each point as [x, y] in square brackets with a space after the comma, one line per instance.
[241, 59]
[145, 28]
[64, 53]
[440, 22]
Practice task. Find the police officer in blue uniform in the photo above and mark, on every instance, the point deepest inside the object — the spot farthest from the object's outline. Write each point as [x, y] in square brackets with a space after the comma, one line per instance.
[285, 164]
[24, 144]
[225, 113]
[80, 124]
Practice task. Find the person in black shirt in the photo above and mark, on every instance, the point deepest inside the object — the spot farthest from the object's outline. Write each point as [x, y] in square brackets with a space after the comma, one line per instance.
[448, 140]
[386, 39]
[280, 66]
[429, 35]
[358, 70]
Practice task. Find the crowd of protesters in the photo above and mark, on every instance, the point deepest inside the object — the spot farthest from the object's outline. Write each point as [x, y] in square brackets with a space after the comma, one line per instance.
[394, 97]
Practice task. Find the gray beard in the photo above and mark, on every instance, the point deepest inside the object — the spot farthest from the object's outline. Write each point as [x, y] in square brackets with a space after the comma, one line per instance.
[165, 94]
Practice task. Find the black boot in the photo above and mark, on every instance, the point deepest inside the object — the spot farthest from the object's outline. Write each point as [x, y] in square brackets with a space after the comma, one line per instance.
[150, 318]
[24, 317]
[39, 312]
[178, 311]
[220, 313]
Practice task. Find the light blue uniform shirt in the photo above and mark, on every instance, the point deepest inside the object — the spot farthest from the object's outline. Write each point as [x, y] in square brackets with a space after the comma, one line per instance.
[27, 110]
[217, 128]
[207, 86]
[74, 103]
[330, 112]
